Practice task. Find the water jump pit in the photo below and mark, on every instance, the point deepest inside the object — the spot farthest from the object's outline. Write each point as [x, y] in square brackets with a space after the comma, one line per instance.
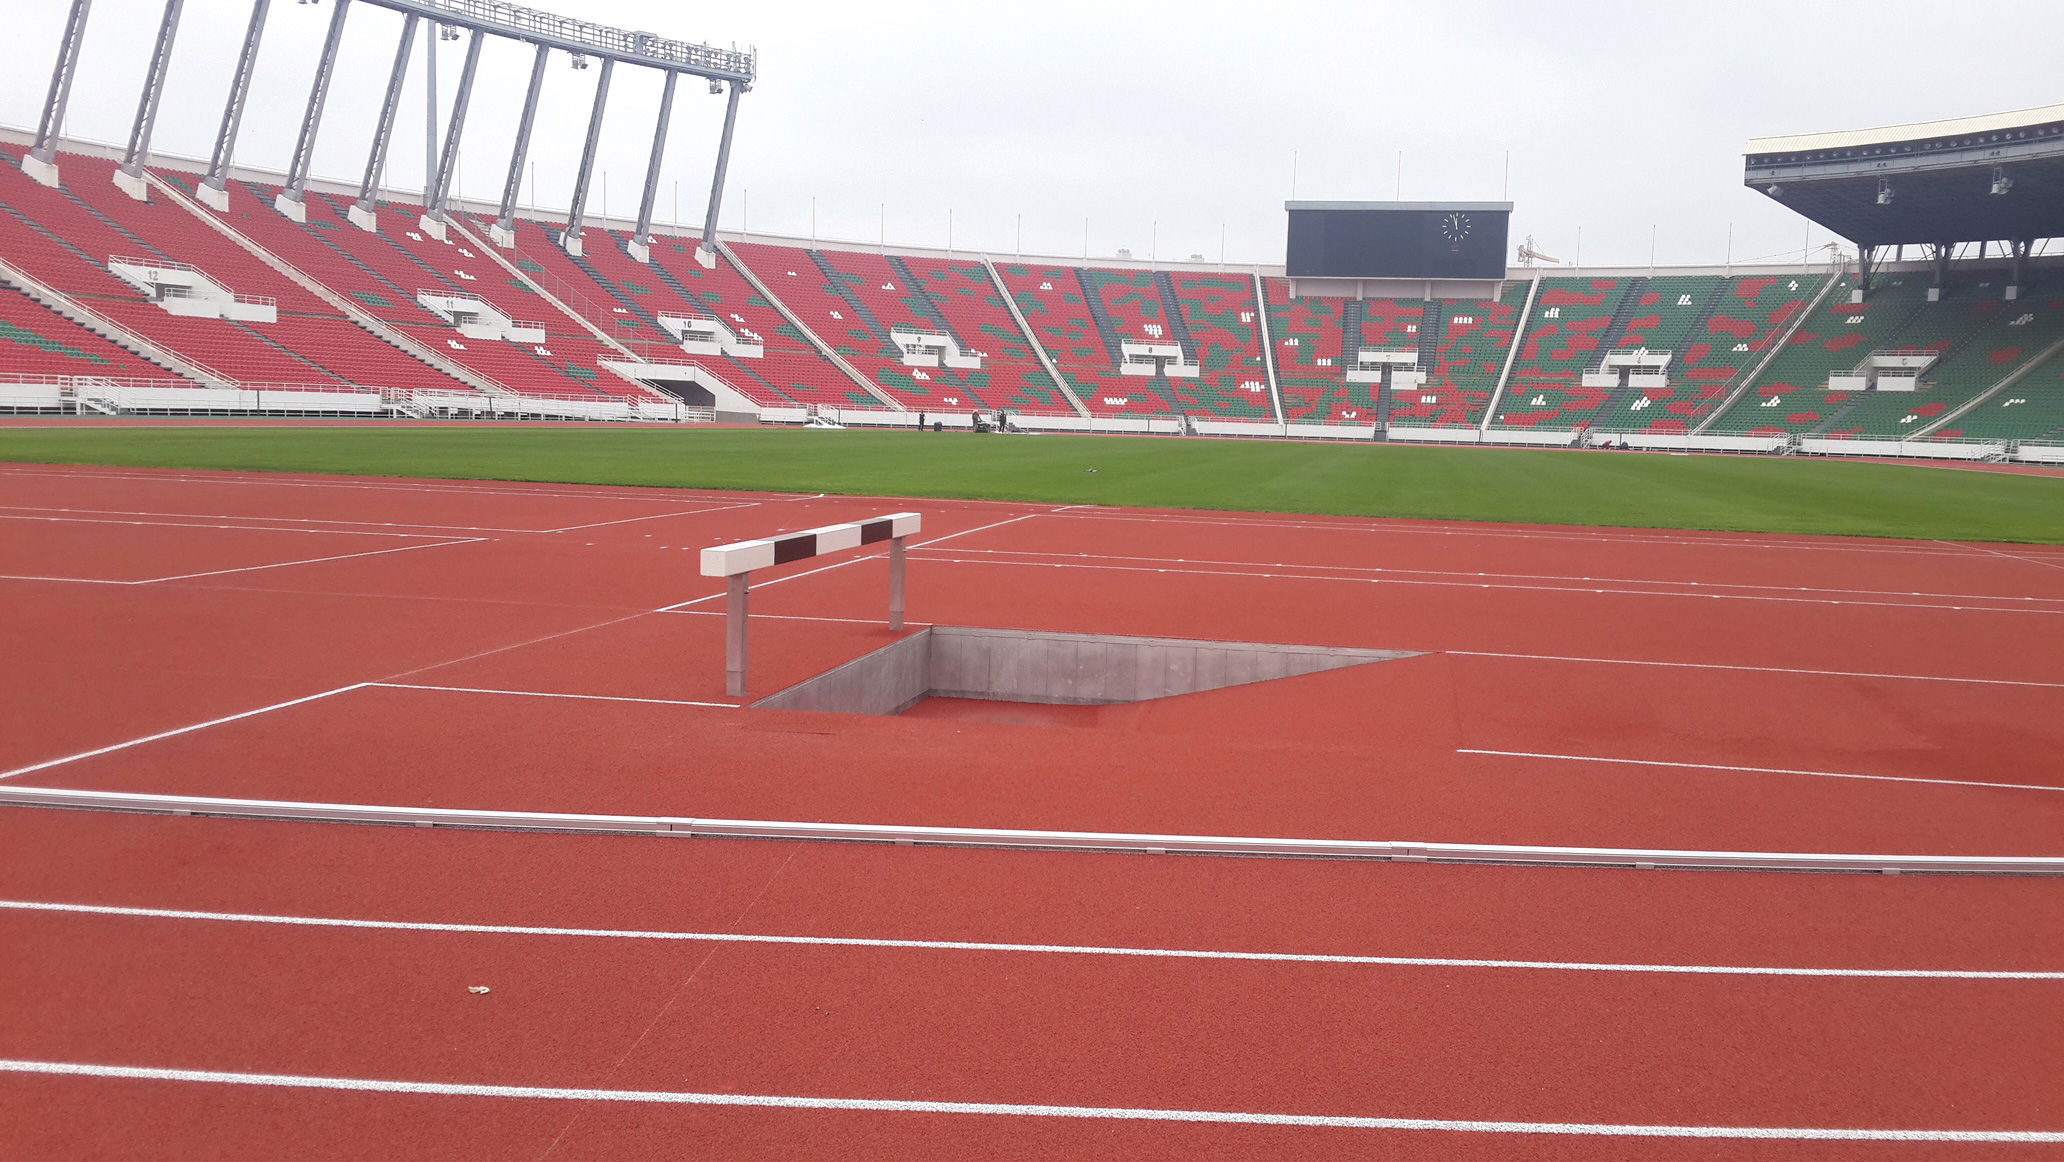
[1021, 675]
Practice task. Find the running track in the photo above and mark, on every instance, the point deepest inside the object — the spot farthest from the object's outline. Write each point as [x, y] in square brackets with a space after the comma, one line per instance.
[200, 987]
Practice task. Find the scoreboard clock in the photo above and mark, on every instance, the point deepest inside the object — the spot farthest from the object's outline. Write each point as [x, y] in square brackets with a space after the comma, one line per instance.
[1397, 240]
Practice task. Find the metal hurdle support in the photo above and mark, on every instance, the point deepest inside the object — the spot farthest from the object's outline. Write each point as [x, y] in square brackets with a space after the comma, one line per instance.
[735, 562]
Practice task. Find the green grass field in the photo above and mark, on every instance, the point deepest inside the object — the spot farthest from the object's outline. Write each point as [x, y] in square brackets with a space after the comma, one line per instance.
[1749, 493]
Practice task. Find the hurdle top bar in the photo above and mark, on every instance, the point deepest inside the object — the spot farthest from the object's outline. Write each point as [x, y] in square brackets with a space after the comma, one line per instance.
[745, 556]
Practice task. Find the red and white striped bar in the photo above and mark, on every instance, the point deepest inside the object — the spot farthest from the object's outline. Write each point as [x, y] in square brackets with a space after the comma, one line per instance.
[745, 556]
[736, 561]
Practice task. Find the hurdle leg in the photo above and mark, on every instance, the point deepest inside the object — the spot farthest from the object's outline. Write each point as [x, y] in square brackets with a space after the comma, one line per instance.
[896, 583]
[735, 602]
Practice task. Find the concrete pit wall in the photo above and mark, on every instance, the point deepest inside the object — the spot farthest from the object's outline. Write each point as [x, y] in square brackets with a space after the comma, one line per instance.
[1053, 668]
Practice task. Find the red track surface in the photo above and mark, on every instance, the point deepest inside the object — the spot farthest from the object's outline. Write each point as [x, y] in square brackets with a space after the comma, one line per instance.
[1800, 658]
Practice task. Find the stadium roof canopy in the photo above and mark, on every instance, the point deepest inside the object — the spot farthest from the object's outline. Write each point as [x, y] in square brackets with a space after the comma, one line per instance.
[1999, 177]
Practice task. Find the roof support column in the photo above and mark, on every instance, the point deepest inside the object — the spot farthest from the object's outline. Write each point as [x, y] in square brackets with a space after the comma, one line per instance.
[214, 188]
[503, 232]
[364, 213]
[130, 176]
[440, 185]
[41, 161]
[1866, 265]
[1939, 254]
[706, 253]
[289, 200]
[2018, 250]
[641, 238]
[571, 239]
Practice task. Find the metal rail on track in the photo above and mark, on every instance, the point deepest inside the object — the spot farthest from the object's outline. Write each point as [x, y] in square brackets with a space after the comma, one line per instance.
[1014, 838]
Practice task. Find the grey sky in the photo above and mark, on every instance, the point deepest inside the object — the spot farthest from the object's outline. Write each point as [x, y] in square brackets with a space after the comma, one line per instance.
[1618, 116]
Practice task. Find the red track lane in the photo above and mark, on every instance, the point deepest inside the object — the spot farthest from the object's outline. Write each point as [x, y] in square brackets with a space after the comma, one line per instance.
[465, 750]
[458, 505]
[1520, 551]
[1368, 753]
[151, 658]
[1007, 1027]
[1870, 639]
[1033, 897]
[118, 552]
[645, 565]
[77, 1118]
[812, 889]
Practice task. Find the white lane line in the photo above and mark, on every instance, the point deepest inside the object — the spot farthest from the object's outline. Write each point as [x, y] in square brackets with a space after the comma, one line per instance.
[544, 694]
[197, 523]
[1032, 949]
[980, 529]
[242, 568]
[1382, 525]
[1005, 1109]
[1406, 572]
[655, 516]
[313, 561]
[164, 734]
[2006, 555]
[1283, 575]
[681, 605]
[1592, 758]
[1757, 669]
[656, 494]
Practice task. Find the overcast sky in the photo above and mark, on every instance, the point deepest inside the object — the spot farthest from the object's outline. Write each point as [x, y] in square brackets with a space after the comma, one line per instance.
[1160, 124]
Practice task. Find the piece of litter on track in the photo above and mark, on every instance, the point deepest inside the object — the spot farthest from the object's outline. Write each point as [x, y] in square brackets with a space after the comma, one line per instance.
[477, 989]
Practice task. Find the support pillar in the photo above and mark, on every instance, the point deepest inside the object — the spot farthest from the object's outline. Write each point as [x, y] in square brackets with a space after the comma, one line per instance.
[571, 239]
[641, 238]
[706, 252]
[1866, 264]
[736, 598]
[214, 188]
[40, 162]
[448, 160]
[896, 545]
[2018, 250]
[130, 175]
[1938, 260]
[364, 212]
[288, 201]
[504, 230]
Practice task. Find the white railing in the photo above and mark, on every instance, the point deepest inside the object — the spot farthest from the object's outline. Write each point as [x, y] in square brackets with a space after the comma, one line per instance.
[153, 264]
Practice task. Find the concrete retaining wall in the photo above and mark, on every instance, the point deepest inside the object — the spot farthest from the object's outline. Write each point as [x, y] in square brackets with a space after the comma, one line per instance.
[1056, 668]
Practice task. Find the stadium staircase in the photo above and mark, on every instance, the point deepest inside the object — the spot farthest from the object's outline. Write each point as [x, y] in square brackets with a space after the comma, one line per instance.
[1009, 303]
[1473, 341]
[1723, 372]
[1666, 312]
[1305, 343]
[2027, 404]
[1094, 284]
[1565, 336]
[722, 293]
[1214, 317]
[1427, 331]
[1790, 395]
[868, 289]
[869, 394]
[1980, 340]
[963, 295]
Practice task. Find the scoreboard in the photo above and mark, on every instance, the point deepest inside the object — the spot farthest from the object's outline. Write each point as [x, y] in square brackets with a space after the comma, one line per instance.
[1397, 240]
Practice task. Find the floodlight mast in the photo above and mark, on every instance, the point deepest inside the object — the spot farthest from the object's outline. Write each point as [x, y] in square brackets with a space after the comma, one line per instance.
[583, 39]
[729, 70]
